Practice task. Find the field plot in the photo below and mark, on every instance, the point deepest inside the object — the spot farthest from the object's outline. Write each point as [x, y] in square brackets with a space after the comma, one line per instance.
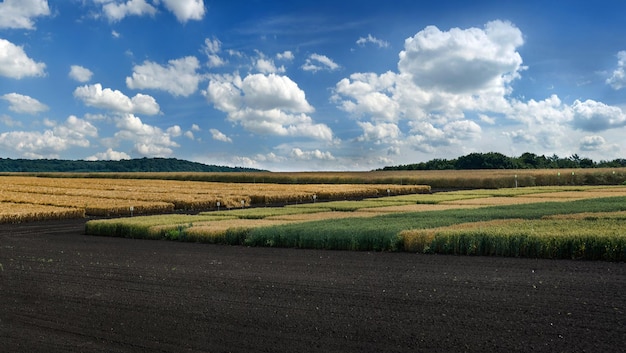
[441, 223]
[437, 179]
[127, 197]
[19, 212]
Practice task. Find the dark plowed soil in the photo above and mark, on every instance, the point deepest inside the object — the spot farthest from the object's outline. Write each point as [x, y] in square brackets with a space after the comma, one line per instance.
[62, 291]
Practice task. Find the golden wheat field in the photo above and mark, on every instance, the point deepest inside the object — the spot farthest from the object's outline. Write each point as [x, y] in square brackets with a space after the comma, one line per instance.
[475, 179]
[124, 197]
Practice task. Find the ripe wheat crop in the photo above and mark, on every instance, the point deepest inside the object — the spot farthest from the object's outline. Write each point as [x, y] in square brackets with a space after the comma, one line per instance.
[24, 212]
[126, 197]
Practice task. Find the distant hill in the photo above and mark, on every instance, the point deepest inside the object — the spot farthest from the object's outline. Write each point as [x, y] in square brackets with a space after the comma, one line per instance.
[125, 165]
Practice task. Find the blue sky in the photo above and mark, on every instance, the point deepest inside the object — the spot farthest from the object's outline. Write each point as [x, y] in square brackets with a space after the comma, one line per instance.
[303, 85]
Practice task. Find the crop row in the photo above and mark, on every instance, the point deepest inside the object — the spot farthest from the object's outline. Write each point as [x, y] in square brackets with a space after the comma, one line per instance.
[19, 212]
[597, 238]
[375, 224]
[117, 197]
[448, 179]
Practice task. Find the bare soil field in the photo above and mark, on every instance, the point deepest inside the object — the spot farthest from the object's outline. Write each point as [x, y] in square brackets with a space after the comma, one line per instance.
[62, 291]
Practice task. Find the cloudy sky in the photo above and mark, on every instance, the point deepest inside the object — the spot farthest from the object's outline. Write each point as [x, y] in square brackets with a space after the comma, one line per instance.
[311, 85]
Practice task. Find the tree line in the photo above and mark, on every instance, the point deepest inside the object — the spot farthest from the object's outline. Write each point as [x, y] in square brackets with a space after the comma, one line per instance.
[121, 166]
[495, 160]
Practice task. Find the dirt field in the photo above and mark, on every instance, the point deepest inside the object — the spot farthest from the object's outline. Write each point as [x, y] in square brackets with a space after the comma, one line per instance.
[62, 291]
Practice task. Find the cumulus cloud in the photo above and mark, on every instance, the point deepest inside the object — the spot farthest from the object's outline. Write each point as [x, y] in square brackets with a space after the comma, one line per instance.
[381, 132]
[265, 104]
[362, 41]
[463, 60]
[441, 76]
[371, 95]
[317, 62]
[116, 11]
[80, 74]
[266, 65]
[521, 136]
[186, 10]
[219, 136]
[212, 47]
[618, 78]
[24, 104]
[286, 55]
[592, 143]
[108, 155]
[596, 116]
[178, 78]
[49, 143]
[309, 155]
[14, 63]
[114, 100]
[19, 14]
[148, 140]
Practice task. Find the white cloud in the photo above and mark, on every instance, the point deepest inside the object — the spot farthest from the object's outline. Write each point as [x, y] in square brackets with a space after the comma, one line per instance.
[441, 76]
[372, 96]
[179, 77]
[19, 14]
[592, 143]
[596, 116]
[379, 133]
[373, 40]
[108, 155]
[24, 104]
[618, 78]
[115, 10]
[49, 143]
[219, 136]
[309, 155]
[286, 55]
[186, 10]
[266, 66]
[462, 130]
[80, 73]
[212, 47]
[174, 131]
[463, 60]
[95, 96]
[521, 136]
[14, 63]
[8, 121]
[148, 140]
[265, 104]
[317, 62]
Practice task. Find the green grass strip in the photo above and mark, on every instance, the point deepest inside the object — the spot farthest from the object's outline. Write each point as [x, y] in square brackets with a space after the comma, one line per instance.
[382, 232]
[142, 227]
[264, 212]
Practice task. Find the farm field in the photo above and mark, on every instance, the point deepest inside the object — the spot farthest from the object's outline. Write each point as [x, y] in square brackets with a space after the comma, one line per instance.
[437, 179]
[126, 197]
[415, 223]
[369, 216]
[66, 292]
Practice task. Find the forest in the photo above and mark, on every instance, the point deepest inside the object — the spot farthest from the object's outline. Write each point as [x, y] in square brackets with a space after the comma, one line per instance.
[495, 160]
[125, 165]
